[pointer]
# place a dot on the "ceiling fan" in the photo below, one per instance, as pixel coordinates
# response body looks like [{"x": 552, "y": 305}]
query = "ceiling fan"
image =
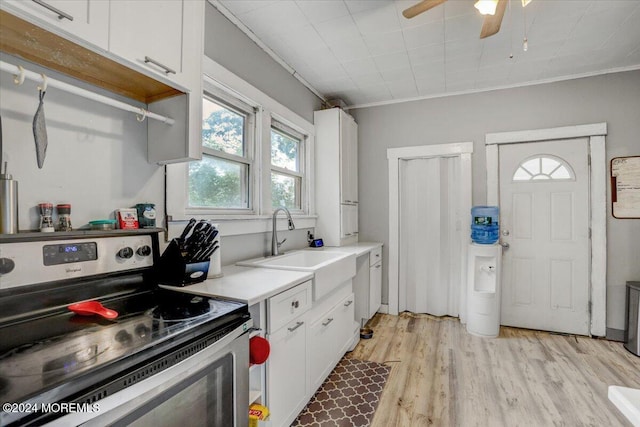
[{"x": 492, "y": 9}]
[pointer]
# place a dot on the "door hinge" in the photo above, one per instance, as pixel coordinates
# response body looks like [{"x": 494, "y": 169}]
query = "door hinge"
[
  {"x": 589, "y": 232},
  {"x": 589, "y": 305},
  {"x": 589, "y": 159}
]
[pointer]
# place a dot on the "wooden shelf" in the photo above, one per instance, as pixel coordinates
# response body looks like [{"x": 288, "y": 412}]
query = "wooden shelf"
[{"x": 32, "y": 43}]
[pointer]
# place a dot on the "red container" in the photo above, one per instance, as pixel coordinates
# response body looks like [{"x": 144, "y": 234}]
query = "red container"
[{"x": 259, "y": 350}]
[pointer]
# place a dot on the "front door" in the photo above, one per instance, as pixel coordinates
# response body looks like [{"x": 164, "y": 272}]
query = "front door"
[{"x": 544, "y": 214}]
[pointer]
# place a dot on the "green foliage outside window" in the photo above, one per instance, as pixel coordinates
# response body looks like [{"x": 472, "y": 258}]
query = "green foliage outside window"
[{"x": 215, "y": 182}]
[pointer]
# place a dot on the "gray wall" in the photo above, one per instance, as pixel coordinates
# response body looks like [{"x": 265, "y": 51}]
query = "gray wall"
[
  {"x": 612, "y": 98},
  {"x": 231, "y": 48}
]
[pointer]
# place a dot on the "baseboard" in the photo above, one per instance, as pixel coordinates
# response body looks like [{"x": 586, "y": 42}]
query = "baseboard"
[
  {"x": 384, "y": 309},
  {"x": 615, "y": 334}
]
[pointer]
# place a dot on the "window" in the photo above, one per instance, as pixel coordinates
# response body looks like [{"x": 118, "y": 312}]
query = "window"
[
  {"x": 222, "y": 179},
  {"x": 544, "y": 168},
  {"x": 286, "y": 167}
]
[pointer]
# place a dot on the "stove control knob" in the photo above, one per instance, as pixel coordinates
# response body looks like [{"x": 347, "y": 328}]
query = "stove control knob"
[
  {"x": 142, "y": 331},
  {"x": 124, "y": 337},
  {"x": 6, "y": 265},
  {"x": 144, "y": 250},
  {"x": 125, "y": 253}
]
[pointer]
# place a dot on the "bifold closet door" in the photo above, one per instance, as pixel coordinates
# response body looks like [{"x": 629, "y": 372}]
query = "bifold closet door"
[{"x": 429, "y": 267}]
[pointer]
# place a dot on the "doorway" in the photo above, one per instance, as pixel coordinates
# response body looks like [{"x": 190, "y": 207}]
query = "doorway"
[
  {"x": 542, "y": 284},
  {"x": 544, "y": 222},
  {"x": 421, "y": 178},
  {"x": 430, "y": 264}
]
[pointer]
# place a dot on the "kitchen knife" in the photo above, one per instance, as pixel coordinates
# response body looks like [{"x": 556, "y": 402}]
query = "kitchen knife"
[
  {"x": 210, "y": 252},
  {"x": 186, "y": 230},
  {"x": 206, "y": 245},
  {"x": 197, "y": 239}
]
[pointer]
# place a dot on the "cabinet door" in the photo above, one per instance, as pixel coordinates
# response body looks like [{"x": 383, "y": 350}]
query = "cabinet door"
[
  {"x": 148, "y": 33},
  {"x": 348, "y": 159},
  {"x": 286, "y": 373},
  {"x": 88, "y": 20},
  {"x": 348, "y": 220},
  {"x": 345, "y": 324},
  {"x": 353, "y": 160},
  {"x": 322, "y": 349},
  {"x": 375, "y": 293}
]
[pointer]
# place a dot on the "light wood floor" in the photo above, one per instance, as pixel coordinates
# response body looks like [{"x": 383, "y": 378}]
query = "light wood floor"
[{"x": 442, "y": 376}]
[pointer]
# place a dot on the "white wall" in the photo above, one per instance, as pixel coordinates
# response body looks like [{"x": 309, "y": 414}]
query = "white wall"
[
  {"x": 612, "y": 98},
  {"x": 96, "y": 156}
]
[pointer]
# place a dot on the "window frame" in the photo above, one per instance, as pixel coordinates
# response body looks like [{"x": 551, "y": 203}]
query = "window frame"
[
  {"x": 300, "y": 196},
  {"x": 267, "y": 108},
  {"x": 249, "y": 182},
  {"x": 549, "y": 178}
]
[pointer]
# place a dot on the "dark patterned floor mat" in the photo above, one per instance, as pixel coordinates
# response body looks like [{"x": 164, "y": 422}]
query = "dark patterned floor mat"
[{"x": 348, "y": 397}]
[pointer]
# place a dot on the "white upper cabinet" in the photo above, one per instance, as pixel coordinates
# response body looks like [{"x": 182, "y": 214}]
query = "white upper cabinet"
[
  {"x": 337, "y": 194},
  {"x": 148, "y": 33},
  {"x": 348, "y": 159},
  {"x": 165, "y": 39},
  {"x": 87, "y": 20}
]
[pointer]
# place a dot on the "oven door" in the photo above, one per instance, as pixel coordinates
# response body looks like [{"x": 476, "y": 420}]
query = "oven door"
[{"x": 209, "y": 388}]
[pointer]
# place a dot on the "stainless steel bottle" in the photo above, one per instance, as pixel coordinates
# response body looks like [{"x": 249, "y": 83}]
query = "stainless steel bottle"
[{"x": 8, "y": 204}]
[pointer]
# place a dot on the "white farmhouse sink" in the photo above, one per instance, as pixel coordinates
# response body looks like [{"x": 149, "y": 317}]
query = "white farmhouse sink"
[{"x": 330, "y": 269}]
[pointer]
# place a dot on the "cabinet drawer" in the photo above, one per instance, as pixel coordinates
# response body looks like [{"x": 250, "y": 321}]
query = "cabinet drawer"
[
  {"x": 375, "y": 255},
  {"x": 288, "y": 305}
]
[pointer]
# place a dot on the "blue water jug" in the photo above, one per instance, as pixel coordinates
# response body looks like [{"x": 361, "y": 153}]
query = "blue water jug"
[{"x": 484, "y": 224}]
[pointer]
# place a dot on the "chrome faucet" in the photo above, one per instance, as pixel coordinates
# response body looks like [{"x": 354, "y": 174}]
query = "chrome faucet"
[{"x": 275, "y": 245}]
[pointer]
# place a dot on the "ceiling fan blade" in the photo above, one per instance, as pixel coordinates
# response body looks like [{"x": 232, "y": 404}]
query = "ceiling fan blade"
[
  {"x": 491, "y": 24},
  {"x": 423, "y": 6}
]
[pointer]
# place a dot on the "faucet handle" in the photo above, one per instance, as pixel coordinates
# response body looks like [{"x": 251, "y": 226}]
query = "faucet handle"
[{"x": 283, "y": 240}]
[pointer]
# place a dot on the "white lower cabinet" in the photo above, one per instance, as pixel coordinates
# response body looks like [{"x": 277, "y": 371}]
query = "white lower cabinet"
[
  {"x": 375, "y": 288},
  {"x": 287, "y": 362},
  {"x": 287, "y": 373},
  {"x": 331, "y": 333},
  {"x": 307, "y": 341}
]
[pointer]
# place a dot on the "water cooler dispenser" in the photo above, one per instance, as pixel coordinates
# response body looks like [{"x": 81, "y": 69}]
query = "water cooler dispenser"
[{"x": 484, "y": 270}]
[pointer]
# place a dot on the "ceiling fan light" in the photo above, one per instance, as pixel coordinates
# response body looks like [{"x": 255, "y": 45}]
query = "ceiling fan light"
[{"x": 486, "y": 7}]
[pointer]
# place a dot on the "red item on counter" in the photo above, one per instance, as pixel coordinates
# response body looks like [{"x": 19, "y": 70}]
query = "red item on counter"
[{"x": 128, "y": 219}]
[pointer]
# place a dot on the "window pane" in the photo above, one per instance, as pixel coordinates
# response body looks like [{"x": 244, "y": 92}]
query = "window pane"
[
  {"x": 285, "y": 191},
  {"x": 548, "y": 165},
  {"x": 222, "y": 129},
  {"x": 218, "y": 183},
  {"x": 521, "y": 175},
  {"x": 284, "y": 151}
]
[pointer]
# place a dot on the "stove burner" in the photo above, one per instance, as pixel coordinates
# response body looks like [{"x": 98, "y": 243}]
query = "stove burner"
[{"x": 184, "y": 307}]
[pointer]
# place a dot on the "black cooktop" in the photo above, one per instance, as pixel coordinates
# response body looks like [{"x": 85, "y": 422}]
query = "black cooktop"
[{"x": 45, "y": 350}]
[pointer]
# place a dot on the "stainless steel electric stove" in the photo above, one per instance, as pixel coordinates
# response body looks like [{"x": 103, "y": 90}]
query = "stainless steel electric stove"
[{"x": 165, "y": 353}]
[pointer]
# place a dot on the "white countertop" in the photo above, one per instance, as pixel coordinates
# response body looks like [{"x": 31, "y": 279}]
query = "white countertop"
[
  {"x": 247, "y": 284},
  {"x": 627, "y": 400},
  {"x": 357, "y": 249}
]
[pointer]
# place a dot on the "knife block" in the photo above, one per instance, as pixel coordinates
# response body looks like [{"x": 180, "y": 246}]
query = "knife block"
[{"x": 172, "y": 268}]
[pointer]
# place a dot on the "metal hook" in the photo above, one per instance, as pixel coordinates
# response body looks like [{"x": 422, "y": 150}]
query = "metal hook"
[
  {"x": 143, "y": 115},
  {"x": 43, "y": 88},
  {"x": 19, "y": 78}
]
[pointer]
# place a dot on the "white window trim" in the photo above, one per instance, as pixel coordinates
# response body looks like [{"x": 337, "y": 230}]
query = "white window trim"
[
  {"x": 239, "y": 106},
  {"x": 302, "y": 166},
  {"x": 267, "y": 108},
  {"x": 598, "y": 177}
]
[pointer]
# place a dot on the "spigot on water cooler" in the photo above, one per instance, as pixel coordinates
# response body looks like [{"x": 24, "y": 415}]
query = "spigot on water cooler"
[{"x": 484, "y": 271}]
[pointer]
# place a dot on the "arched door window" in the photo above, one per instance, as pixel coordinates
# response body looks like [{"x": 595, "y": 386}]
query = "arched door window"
[{"x": 544, "y": 167}]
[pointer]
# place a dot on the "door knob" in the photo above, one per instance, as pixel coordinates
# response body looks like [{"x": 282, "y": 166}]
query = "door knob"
[
  {"x": 504, "y": 245},
  {"x": 505, "y": 232}
]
